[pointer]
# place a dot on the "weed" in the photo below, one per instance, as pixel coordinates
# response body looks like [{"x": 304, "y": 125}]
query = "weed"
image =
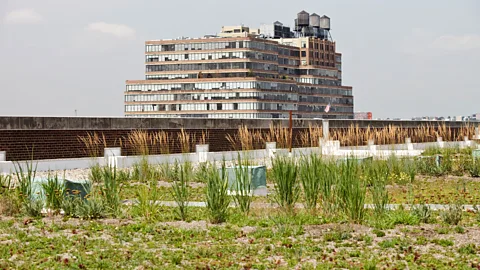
[
  {"x": 217, "y": 196},
  {"x": 459, "y": 229},
  {"x": 287, "y": 188}
]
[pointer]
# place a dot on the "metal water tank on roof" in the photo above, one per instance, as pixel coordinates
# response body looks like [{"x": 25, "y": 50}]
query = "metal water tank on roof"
[
  {"x": 315, "y": 20},
  {"x": 303, "y": 18},
  {"x": 325, "y": 22}
]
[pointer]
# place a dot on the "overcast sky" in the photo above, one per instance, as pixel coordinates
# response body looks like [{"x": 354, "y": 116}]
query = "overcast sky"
[{"x": 403, "y": 58}]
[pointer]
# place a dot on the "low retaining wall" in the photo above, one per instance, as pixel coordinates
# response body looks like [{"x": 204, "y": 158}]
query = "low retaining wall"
[
  {"x": 329, "y": 148},
  {"x": 38, "y": 138}
]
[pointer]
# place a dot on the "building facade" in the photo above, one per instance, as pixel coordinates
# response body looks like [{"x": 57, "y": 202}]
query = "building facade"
[{"x": 241, "y": 74}]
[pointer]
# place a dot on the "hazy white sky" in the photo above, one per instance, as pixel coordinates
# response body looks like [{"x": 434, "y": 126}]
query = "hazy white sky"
[{"x": 403, "y": 58}]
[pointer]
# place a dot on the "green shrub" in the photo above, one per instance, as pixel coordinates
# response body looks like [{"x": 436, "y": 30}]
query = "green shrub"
[
  {"x": 422, "y": 212},
  {"x": 34, "y": 207},
  {"x": 70, "y": 205},
  {"x": 453, "y": 215},
  {"x": 217, "y": 196},
  {"x": 287, "y": 188},
  {"x": 92, "y": 208}
]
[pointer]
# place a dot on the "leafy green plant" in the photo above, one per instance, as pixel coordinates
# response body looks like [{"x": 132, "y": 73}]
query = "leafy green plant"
[
  {"x": 34, "y": 207},
  {"x": 217, "y": 196},
  {"x": 147, "y": 205},
  {"x": 54, "y": 190},
  {"x": 453, "y": 214},
  {"x": 312, "y": 170},
  {"x": 70, "y": 205},
  {"x": 243, "y": 185},
  {"x": 402, "y": 216},
  {"x": 96, "y": 173},
  {"x": 93, "y": 208},
  {"x": 110, "y": 190},
  {"x": 468, "y": 249},
  {"x": 286, "y": 184},
  {"x": 180, "y": 189},
  {"x": 473, "y": 167},
  {"x": 422, "y": 212}
]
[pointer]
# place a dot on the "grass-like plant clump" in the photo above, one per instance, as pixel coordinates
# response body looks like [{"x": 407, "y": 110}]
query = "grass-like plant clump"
[{"x": 217, "y": 197}]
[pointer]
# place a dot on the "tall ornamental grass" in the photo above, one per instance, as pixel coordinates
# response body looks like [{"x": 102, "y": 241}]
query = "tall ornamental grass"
[
  {"x": 312, "y": 173},
  {"x": 217, "y": 197},
  {"x": 243, "y": 185},
  {"x": 286, "y": 184}
]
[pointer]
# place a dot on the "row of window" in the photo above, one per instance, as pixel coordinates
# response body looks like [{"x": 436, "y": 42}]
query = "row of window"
[
  {"x": 212, "y": 96},
  {"x": 211, "y": 66},
  {"x": 233, "y": 96},
  {"x": 242, "y": 115},
  {"x": 215, "y": 56},
  {"x": 216, "y": 115},
  {"x": 319, "y": 72},
  {"x": 241, "y": 85},
  {"x": 210, "y": 107},
  {"x": 333, "y": 109},
  {"x": 215, "y": 45},
  {"x": 318, "y": 81}
]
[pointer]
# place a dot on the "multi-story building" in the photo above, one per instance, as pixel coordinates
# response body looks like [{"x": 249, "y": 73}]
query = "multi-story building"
[{"x": 243, "y": 74}]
